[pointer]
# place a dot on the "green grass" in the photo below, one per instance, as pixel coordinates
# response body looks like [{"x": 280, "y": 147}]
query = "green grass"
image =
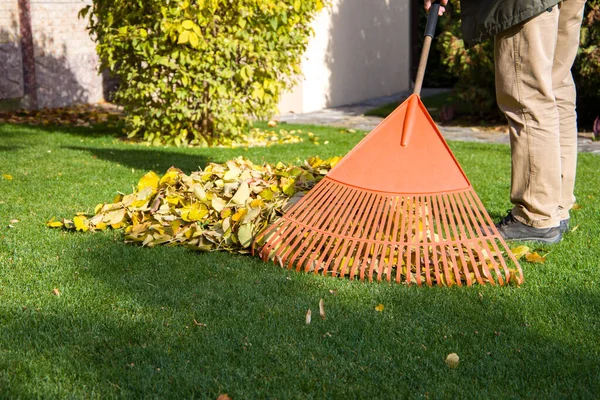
[{"x": 124, "y": 324}]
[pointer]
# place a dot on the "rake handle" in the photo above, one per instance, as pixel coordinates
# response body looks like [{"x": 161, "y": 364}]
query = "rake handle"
[
  {"x": 432, "y": 19},
  {"x": 412, "y": 106}
]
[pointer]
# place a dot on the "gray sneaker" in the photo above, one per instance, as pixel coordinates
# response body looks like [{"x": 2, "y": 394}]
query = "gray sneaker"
[
  {"x": 564, "y": 226},
  {"x": 511, "y": 229}
]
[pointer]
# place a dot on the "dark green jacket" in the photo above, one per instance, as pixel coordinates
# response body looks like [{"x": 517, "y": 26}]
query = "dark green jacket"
[{"x": 482, "y": 19}]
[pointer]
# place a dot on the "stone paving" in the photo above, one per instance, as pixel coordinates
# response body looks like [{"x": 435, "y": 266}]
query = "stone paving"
[{"x": 352, "y": 117}]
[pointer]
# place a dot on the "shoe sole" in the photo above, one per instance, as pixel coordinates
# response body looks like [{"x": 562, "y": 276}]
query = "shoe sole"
[{"x": 551, "y": 240}]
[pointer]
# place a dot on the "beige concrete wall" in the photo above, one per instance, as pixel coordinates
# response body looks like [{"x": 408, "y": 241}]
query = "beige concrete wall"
[
  {"x": 360, "y": 51},
  {"x": 66, "y": 62},
  {"x": 11, "y": 67}
]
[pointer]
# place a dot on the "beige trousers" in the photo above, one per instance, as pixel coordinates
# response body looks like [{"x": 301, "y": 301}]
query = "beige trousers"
[{"x": 536, "y": 92}]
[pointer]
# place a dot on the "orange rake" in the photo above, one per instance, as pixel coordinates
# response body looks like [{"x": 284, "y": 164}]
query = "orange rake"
[{"x": 397, "y": 207}]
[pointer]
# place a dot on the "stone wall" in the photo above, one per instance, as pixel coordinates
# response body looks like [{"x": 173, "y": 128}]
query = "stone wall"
[
  {"x": 11, "y": 67},
  {"x": 66, "y": 64}
]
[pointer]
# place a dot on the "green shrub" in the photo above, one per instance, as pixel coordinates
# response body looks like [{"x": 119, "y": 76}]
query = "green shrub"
[
  {"x": 587, "y": 67},
  {"x": 473, "y": 68},
  {"x": 195, "y": 72}
]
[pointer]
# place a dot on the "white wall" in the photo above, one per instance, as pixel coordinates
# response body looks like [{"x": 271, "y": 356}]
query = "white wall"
[{"x": 360, "y": 51}]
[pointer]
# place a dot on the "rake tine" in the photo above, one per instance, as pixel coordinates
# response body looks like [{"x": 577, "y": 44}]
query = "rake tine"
[
  {"x": 480, "y": 249},
  {"x": 473, "y": 245},
  {"x": 459, "y": 221},
  {"x": 400, "y": 239},
  {"x": 349, "y": 198},
  {"x": 442, "y": 246},
  {"x": 496, "y": 235},
  {"x": 320, "y": 223},
  {"x": 384, "y": 245},
  {"x": 372, "y": 245},
  {"x": 433, "y": 241},
  {"x": 456, "y": 240},
  {"x": 364, "y": 226},
  {"x": 344, "y": 230},
  {"x": 425, "y": 240},
  {"x": 297, "y": 236}
]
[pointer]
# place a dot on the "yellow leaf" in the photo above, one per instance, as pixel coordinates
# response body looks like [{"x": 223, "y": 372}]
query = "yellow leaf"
[
  {"x": 54, "y": 224},
  {"x": 218, "y": 203},
  {"x": 535, "y": 258},
  {"x": 520, "y": 251},
  {"x": 187, "y": 24},
  {"x": 56, "y": 292},
  {"x": 232, "y": 174},
  {"x": 257, "y": 203},
  {"x": 245, "y": 235},
  {"x": 193, "y": 38},
  {"x": 577, "y": 206},
  {"x": 266, "y": 194},
  {"x": 80, "y": 223},
  {"x": 115, "y": 217},
  {"x": 7, "y": 177},
  {"x": 225, "y": 213},
  {"x": 242, "y": 194},
  {"x": 98, "y": 208},
  {"x": 148, "y": 180},
  {"x": 183, "y": 37},
  {"x": 199, "y": 191},
  {"x": 288, "y": 187},
  {"x": 380, "y": 307},
  {"x": 170, "y": 177},
  {"x": 239, "y": 214}
]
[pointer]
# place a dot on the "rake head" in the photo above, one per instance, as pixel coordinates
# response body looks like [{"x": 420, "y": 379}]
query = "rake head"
[
  {"x": 394, "y": 210},
  {"x": 433, "y": 239}
]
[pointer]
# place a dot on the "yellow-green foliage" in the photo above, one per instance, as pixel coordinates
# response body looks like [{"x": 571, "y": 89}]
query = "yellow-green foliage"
[{"x": 196, "y": 71}]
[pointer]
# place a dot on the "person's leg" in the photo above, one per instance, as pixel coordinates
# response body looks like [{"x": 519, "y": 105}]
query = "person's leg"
[
  {"x": 569, "y": 26},
  {"x": 524, "y": 58}
]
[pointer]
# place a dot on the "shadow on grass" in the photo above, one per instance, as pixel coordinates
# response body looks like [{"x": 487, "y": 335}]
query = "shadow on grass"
[
  {"x": 134, "y": 334},
  {"x": 78, "y": 131},
  {"x": 10, "y": 148},
  {"x": 148, "y": 158}
]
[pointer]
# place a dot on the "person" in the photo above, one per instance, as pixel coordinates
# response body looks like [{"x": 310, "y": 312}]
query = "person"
[{"x": 535, "y": 45}]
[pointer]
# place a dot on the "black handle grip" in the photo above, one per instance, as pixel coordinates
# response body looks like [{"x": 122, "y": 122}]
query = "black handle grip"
[{"x": 432, "y": 18}]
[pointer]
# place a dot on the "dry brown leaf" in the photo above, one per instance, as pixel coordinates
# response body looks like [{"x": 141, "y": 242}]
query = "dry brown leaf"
[
  {"x": 56, "y": 292},
  {"x": 308, "y": 317},
  {"x": 224, "y": 396},
  {"x": 535, "y": 258},
  {"x": 322, "y": 309}
]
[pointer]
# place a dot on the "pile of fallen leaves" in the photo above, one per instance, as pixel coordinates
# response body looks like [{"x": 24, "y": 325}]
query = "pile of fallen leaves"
[
  {"x": 85, "y": 115},
  {"x": 222, "y": 207}
]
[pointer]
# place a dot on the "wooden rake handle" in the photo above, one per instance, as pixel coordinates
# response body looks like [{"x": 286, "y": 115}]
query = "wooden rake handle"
[
  {"x": 411, "y": 108},
  {"x": 432, "y": 19}
]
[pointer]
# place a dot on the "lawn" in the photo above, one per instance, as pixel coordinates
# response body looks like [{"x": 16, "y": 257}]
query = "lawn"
[{"x": 167, "y": 322}]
